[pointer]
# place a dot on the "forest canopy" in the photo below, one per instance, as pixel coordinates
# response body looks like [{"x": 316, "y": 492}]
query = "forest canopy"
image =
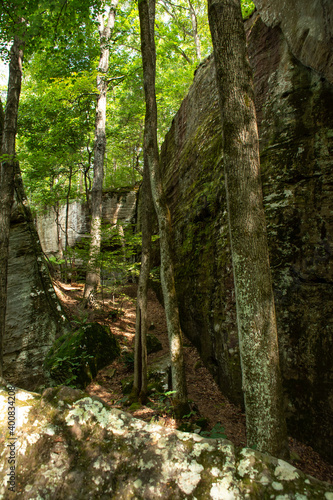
[{"x": 58, "y": 99}]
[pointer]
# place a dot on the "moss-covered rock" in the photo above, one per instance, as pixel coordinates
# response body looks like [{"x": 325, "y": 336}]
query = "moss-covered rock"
[
  {"x": 159, "y": 375},
  {"x": 70, "y": 446},
  {"x": 77, "y": 356},
  {"x": 153, "y": 344},
  {"x": 295, "y": 117}
]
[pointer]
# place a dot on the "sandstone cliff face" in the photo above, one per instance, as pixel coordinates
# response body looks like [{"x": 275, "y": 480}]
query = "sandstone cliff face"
[
  {"x": 308, "y": 28},
  {"x": 119, "y": 206},
  {"x": 295, "y": 115},
  {"x": 34, "y": 317}
]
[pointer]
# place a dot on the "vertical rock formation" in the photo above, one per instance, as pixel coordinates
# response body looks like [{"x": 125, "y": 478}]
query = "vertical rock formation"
[
  {"x": 295, "y": 114},
  {"x": 34, "y": 317},
  {"x": 119, "y": 206},
  {"x": 308, "y": 29}
]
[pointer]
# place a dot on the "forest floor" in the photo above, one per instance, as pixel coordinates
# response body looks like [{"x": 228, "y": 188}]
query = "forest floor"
[{"x": 117, "y": 310}]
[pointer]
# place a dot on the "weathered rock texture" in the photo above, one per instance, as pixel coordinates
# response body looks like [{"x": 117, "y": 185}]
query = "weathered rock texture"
[
  {"x": 69, "y": 446},
  {"x": 308, "y": 28},
  {"x": 119, "y": 206},
  {"x": 34, "y": 317},
  {"x": 295, "y": 114}
]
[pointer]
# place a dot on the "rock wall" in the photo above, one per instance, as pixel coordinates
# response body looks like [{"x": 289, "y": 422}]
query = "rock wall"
[
  {"x": 69, "y": 446},
  {"x": 119, "y": 206},
  {"x": 308, "y": 28},
  {"x": 34, "y": 317},
  {"x": 295, "y": 116}
]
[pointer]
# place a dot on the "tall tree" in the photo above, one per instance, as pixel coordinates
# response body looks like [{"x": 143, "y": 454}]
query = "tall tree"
[
  {"x": 147, "y": 18},
  {"x": 140, "y": 351},
  {"x": 24, "y": 25},
  {"x": 7, "y": 173},
  {"x": 195, "y": 30},
  {"x": 105, "y": 30},
  {"x": 266, "y": 426}
]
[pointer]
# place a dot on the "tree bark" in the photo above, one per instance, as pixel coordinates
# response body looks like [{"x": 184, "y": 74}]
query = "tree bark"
[
  {"x": 265, "y": 420},
  {"x": 140, "y": 351},
  {"x": 195, "y": 30},
  {"x": 105, "y": 31},
  {"x": 147, "y": 17},
  {"x": 7, "y": 174}
]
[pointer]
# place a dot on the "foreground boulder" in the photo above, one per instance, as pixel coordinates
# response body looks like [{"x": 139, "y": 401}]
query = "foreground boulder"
[{"x": 69, "y": 446}]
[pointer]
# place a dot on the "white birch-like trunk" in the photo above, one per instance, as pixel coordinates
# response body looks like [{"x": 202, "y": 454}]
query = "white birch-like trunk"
[
  {"x": 105, "y": 31},
  {"x": 195, "y": 31}
]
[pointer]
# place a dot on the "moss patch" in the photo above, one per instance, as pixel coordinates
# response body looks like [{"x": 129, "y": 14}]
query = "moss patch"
[{"x": 77, "y": 356}]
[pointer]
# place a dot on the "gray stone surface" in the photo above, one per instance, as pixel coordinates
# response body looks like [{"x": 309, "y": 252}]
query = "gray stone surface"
[
  {"x": 119, "y": 206},
  {"x": 70, "y": 446},
  {"x": 308, "y": 28},
  {"x": 34, "y": 317},
  {"x": 295, "y": 117}
]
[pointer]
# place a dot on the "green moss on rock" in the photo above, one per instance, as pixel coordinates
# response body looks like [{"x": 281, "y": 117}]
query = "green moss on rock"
[
  {"x": 153, "y": 344},
  {"x": 77, "y": 356}
]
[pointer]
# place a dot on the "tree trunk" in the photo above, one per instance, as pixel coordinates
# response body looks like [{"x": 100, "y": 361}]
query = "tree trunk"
[
  {"x": 266, "y": 427},
  {"x": 93, "y": 273},
  {"x": 140, "y": 352},
  {"x": 147, "y": 17},
  {"x": 195, "y": 30},
  {"x": 7, "y": 174}
]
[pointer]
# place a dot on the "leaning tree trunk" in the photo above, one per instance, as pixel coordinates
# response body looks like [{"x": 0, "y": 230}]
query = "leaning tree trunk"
[
  {"x": 93, "y": 273},
  {"x": 146, "y": 13},
  {"x": 7, "y": 174},
  {"x": 266, "y": 427}
]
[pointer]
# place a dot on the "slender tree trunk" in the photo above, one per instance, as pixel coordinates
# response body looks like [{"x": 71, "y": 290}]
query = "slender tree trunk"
[
  {"x": 7, "y": 174},
  {"x": 66, "y": 222},
  {"x": 140, "y": 352},
  {"x": 147, "y": 16},
  {"x": 195, "y": 30},
  {"x": 266, "y": 427},
  {"x": 93, "y": 273},
  {"x": 67, "y": 206},
  {"x": 2, "y": 122}
]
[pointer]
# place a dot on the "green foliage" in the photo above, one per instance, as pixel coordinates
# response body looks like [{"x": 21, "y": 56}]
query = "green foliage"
[
  {"x": 55, "y": 123},
  {"x": 76, "y": 357},
  {"x": 42, "y": 23},
  {"x": 57, "y": 120},
  {"x": 116, "y": 260},
  {"x": 164, "y": 402},
  {"x": 128, "y": 359},
  {"x": 247, "y": 8},
  {"x": 216, "y": 432},
  {"x": 192, "y": 413}
]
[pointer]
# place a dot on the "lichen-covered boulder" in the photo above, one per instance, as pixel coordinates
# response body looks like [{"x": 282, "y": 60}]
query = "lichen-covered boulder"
[
  {"x": 77, "y": 356},
  {"x": 69, "y": 446}
]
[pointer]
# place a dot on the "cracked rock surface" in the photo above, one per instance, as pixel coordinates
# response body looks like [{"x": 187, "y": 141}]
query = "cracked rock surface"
[{"x": 70, "y": 446}]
